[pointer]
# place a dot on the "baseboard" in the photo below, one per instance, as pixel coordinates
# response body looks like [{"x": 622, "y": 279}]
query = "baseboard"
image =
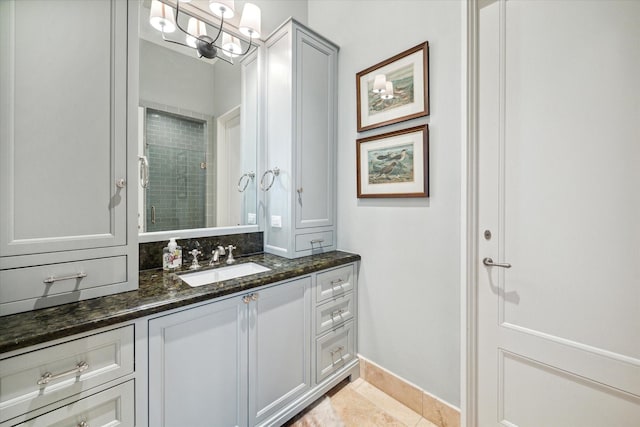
[{"x": 430, "y": 407}]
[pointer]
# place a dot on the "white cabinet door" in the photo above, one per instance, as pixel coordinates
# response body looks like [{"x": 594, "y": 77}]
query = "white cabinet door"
[
  {"x": 315, "y": 101},
  {"x": 198, "y": 366},
  {"x": 63, "y": 125},
  {"x": 231, "y": 362},
  {"x": 279, "y": 347}
]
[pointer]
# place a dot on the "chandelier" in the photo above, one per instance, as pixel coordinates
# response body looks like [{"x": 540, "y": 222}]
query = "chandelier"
[{"x": 164, "y": 18}]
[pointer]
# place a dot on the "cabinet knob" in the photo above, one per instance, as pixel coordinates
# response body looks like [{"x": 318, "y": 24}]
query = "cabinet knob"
[
  {"x": 82, "y": 424},
  {"x": 121, "y": 183}
]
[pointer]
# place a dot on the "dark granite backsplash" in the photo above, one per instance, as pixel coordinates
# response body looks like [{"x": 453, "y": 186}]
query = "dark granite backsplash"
[{"x": 245, "y": 243}]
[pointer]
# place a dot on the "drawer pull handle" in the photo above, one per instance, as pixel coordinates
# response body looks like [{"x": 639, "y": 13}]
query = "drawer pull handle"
[
  {"x": 339, "y": 350},
  {"x": 337, "y": 313},
  {"x": 314, "y": 241},
  {"x": 337, "y": 282},
  {"x": 82, "y": 424},
  {"x": 52, "y": 279},
  {"x": 251, "y": 297},
  {"x": 47, "y": 377}
]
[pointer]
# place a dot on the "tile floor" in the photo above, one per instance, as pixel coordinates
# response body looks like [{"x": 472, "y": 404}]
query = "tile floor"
[{"x": 358, "y": 404}]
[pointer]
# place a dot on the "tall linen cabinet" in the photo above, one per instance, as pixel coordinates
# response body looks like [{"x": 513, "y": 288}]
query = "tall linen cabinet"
[
  {"x": 68, "y": 89},
  {"x": 299, "y": 181}
]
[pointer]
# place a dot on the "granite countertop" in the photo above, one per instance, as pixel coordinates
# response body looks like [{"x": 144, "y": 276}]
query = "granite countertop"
[{"x": 158, "y": 291}]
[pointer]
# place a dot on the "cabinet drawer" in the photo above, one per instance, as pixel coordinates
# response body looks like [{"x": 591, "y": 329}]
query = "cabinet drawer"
[
  {"x": 114, "y": 406},
  {"x": 334, "y": 350},
  {"x": 107, "y": 355},
  {"x": 334, "y": 312},
  {"x": 310, "y": 241},
  {"x": 334, "y": 282},
  {"x": 53, "y": 284}
]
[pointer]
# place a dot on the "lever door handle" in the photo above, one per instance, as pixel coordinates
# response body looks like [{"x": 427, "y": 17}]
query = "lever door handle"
[{"x": 489, "y": 263}]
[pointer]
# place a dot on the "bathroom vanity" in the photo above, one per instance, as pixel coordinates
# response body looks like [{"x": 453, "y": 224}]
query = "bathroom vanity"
[
  {"x": 85, "y": 338},
  {"x": 250, "y": 351}
]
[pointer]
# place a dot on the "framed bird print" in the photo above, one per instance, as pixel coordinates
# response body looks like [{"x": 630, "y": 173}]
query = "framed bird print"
[
  {"x": 394, "y": 90},
  {"x": 394, "y": 164}
]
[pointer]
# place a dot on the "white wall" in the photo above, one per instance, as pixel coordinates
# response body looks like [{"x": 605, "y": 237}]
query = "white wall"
[
  {"x": 167, "y": 77},
  {"x": 410, "y": 272},
  {"x": 275, "y": 12}
]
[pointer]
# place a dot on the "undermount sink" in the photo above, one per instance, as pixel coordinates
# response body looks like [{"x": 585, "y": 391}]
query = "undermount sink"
[{"x": 206, "y": 277}]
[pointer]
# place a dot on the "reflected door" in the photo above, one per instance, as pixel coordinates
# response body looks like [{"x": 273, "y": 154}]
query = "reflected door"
[
  {"x": 229, "y": 161},
  {"x": 559, "y": 150}
]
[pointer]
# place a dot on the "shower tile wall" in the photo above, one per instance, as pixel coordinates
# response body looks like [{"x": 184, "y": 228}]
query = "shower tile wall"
[{"x": 175, "y": 149}]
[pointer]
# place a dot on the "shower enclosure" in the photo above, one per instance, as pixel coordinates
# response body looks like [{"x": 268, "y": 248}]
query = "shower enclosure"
[{"x": 176, "y": 149}]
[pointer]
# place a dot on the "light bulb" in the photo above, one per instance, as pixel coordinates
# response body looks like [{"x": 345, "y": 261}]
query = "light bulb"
[
  {"x": 250, "y": 23},
  {"x": 231, "y": 45},
  {"x": 197, "y": 28},
  {"x": 161, "y": 17},
  {"x": 388, "y": 92},
  {"x": 380, "y": 83},
  {"x": 223, "y": 8}
]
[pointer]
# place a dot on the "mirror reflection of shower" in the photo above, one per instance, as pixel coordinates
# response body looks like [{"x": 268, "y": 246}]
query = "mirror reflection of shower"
[
  {"x": 190, "y": 169},
  {"x": 176, "y": 150}
]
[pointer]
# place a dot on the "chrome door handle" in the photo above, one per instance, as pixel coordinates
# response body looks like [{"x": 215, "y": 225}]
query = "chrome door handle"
[{"x": 489, "y": 263}]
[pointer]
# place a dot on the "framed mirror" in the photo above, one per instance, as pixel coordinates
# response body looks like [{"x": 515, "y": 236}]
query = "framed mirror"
[{"x": 198, "y": 131}]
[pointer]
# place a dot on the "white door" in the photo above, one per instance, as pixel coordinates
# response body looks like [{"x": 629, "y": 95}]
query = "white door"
[
  {"x": 229, "y": 155},
  {"x": 559, "y": 176}
]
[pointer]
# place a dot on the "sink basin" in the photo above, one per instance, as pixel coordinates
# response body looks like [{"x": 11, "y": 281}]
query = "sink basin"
[{"x": 207, "y": 277}]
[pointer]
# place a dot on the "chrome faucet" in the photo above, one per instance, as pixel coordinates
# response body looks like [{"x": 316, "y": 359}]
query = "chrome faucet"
[
  {"x": 230, "y": 258},
  {"x": 215, "y": 258},
  {"x": 195, "y": 264}
]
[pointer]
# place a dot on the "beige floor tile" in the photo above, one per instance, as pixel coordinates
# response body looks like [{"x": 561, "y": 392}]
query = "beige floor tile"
[
  {"x": 357, "y": 383},
  {"x": 425, "y": 423},
  {"x": 357, "y": 411},
  {"x": 388, "y": 404}
]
